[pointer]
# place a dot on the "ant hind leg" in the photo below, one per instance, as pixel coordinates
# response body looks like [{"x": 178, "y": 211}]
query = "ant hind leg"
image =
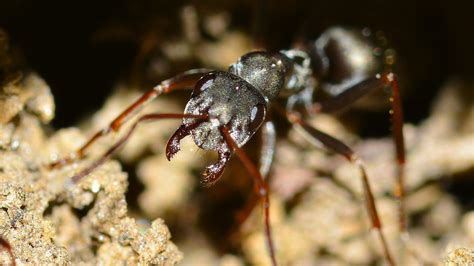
[
  {"x": 340, "y": 148},
  {"x": 351, "y": 95}
]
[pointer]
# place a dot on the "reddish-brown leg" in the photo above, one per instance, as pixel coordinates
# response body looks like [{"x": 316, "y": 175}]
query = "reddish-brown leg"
[
  {"x": 350, "y": 95},
  {"x": 261, "y": 188},
  {"x": 123, "y": 140},
  {"x": 8, "y": 247},
  {"x": 339, "y": 147},
  {"x": 183, "y": 81},
  {"x": 397, "y": 120}
]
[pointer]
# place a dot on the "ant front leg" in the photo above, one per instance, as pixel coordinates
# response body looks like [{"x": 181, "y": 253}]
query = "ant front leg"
[
  {"x": 261, "y": 188},
  {"x": 123, "y": 140},
  {"x": 352, "y": 94},
  {"x": 185, "y": 80},
  {"x": 265, "y": 162},
  {"x": 340, "y": 148},
  {"x": 266, "y": 159}
]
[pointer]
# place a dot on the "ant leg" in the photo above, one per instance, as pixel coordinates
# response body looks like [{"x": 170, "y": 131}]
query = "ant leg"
[
  {"x": 266, "y": 160},
  {"x": 261, "y": 187},
  {"x": 348, "y": 96},
  {"x": 182, "y": 81},
  {"x": 352, "y": 94},
  {"x": 8, "y": 247},
  {"x": 123, "y": 140},
  {"x": 397, "y": 121},
  {"x": 339, "y": 147}
]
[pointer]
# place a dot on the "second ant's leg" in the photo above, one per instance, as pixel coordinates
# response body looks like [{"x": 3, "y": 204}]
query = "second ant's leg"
[
  {"x": 4, "y": 244},
  {"x": 261, "y": 188},
  {"x": 350, "y": 95},
  {"x": 182, "y": 81},
  {"x": 123, "y": 140},
  {"x": 339, "y": 147}
]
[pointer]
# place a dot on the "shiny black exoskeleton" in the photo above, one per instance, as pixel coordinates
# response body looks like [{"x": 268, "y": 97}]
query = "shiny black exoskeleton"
[
  {"x": 341, "y": 62},
  {"x": 239, "y": 98}
]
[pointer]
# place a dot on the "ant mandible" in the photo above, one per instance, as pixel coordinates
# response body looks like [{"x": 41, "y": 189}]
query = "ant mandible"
[{"x": 226, "y": 108}]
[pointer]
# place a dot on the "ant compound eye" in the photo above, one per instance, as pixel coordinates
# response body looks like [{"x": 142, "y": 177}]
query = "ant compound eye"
[
  {"x": 257, "y": 115},
  {"x": 203, "y": 84}
]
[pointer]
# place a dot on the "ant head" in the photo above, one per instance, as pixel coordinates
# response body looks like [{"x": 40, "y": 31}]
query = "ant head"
[
  {"x": 228, "y": 101},
  {"x": 265, "y": 71}
]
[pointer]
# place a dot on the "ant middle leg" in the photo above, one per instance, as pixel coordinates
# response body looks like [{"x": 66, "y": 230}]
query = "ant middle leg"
[
  {"x": 340, "y": 148},
  {"x": 185, "y": 80}
]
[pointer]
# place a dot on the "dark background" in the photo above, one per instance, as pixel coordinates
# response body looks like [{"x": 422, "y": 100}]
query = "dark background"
[{"x": 434, "y": 40}]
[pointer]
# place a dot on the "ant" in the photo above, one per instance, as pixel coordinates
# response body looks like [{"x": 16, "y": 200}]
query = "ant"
[{"x": 227, "y": 108}]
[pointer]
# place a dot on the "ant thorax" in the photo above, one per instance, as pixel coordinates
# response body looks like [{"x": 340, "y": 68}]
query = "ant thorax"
[
  {"x": 298, "y": 76},
  {"x": 265, "y": 71},
  {"x": 275, "y": 74}
]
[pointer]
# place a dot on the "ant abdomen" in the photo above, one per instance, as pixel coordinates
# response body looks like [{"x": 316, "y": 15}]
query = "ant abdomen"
[
  {"x": 227, "y": 100},
  {"x": 342, "y": 58}
]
